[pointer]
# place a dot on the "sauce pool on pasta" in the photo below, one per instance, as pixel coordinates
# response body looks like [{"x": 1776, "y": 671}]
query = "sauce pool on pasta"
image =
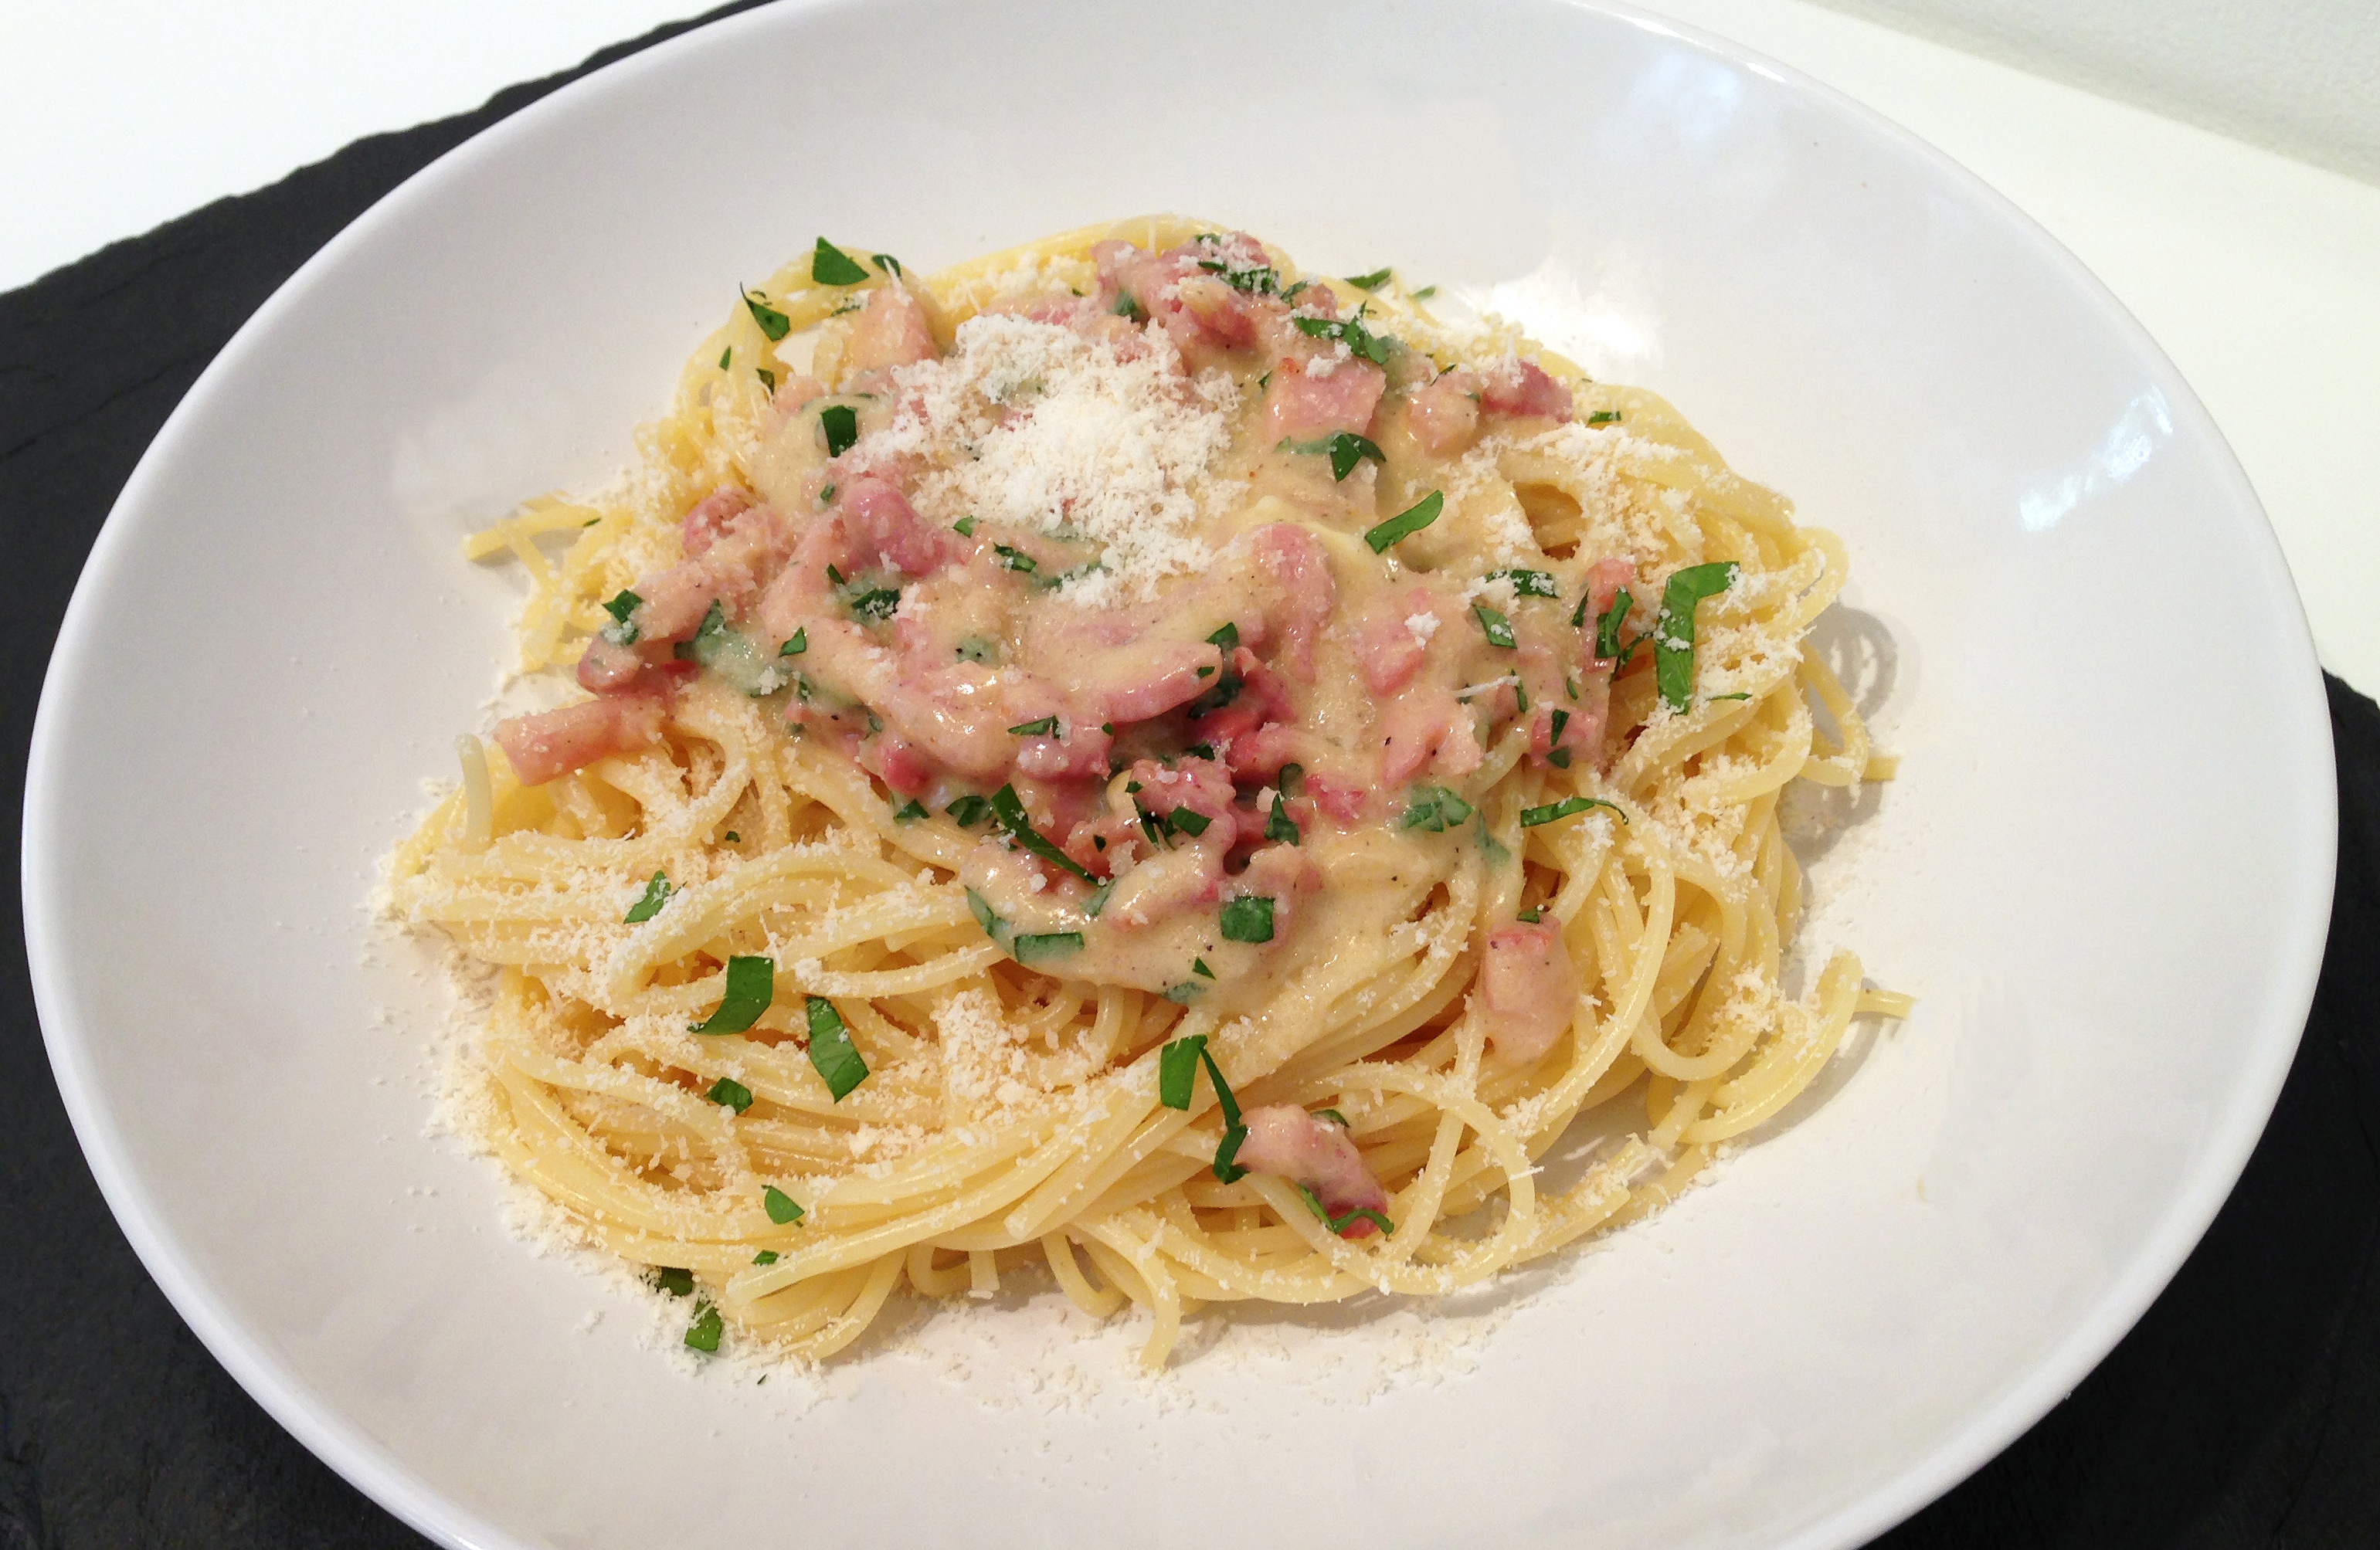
[{"x": 1125, "y": 756}]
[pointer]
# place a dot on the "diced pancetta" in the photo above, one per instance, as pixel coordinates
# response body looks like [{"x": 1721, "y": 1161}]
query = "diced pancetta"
[
  {"x": 891, "y": 330},
  {"x": 553, "y": 742},
  {"x": 1307, "y": 1149},
  {"x": 1528, "y": 988}
]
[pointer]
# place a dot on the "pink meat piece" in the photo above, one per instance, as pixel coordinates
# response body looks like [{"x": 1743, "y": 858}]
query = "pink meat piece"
[
  {"x": 1169, "y": 678},
  {"x": 748, "y": 547},
  {"x": 1528, "y": 988},
  {"x": 555, "y": 742},
  {"x": 1260, "y": 700},
  {"x": 708, "y": 518},
  {"x": 1205, "y": 317},
  {"x": 1520, "y": 387},
  {"x": 896, "y": 761},
  {"x": 1221, "y": 313},
  {"x": 882, "y": 527},
  {"x": 1300, "y": 572},
  {"x": 1386, "y": 650},
  {"x": 1201, "y": 785},
  {"x": 1307, "y": 1149},
  {"x": 890, "y": 331},
  {"x": 1422, "y": 728},
  {"x": 1301, "y": 406},
  {"x": 606, "y": 668},
  {"x": 795, "y": 394},
  {"x": 1338, "y": 797},
  {"x": 1444, "y": 414}
]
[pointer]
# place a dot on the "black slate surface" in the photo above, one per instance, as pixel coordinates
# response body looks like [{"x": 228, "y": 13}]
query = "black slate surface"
[{"x": 2244, "y": 1410}]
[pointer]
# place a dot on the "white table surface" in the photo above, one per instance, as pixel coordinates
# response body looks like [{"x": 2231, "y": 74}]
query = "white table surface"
[{"x": 2259, "y": 275}]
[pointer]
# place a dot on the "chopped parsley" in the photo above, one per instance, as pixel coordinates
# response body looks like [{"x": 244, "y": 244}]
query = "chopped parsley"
[
  {"x": 1225, "y": 690},
  {"x": 1279, "y": 825},
  {"x": 1740, "y": 694},
  {"x": 1371, "y": 281},
  {"x": 751, "y": 986},
  {"x": 1227, "y": 638},
  {"x": 1031, "y": 948},
  {"x": 796, "y": 643},
  {"x": 730, "y": 837},
  {"x": 877, "y": 602},
  {"x": 975, "y": 648},
  {"x": 1046, "y": 727},
  {"x": 730, "y": 1093},
  {"x": 1673, "y": 634},
  {"x": 887, "y": 263},
  {"x": 909, "y": 811},
  {"x": 1528, "y": 584},
  {"x": 676, "y": 1282},
  {"x": 1184, "y": 821},
  {"x": 1177, "y": 1080},
  {"x": 1532, "y": 916},
  {"x": 1346, "y": 450},
  {"x": 970, "y": 810},
  {"x": 1561, "y": 719},
  {"x": 726, "y": 356},
  {"x": 621, "y": 631},
  {"x": 766, "y": 1257},
  {"x": 1334, "y": 1117},
  {"x": 1248, "y": 918},
  {"x": 773, "y": 323},
  {"x": 1406, "y": 523},
  {"x": 1359, "y": 340},
  {"x": 1490, "y": 846},
  {"x": 768, "y": 378},
  {"x": 1340, "y": 1224},
  {"x": 1435, "y": 809},
  {"x": 1604, "y": 416},
  {"x": 827, "y": 494},
  {"x": 1182, "y": 994},
  {"x": 964, "y": 527},
  {"x": 841, "y": 423},
  {"x": 980, "y": 907},
  {"x": 1607, "y": 623},
  {"x": 1014, "y": 559},
  {"x": 830, "y": 265},
  {"x": 1494, "y": 625},
  {"x": 1425, "y": 292},
  {"x": 832, "y": 1055},
  {"x": 1263, "y": 280},
  {"x": 1009, "y": 809},
  {"x": 1291, "y": 779},
  {"x": 1198, "y": 967},
  {"x": 657, "y": 893},
  {"x": 782, "y": 1207},
  {"x": 1567, "y": 807},
  {"x": 1125, "y": 307},
  {"x": 704, "y": 1335}
]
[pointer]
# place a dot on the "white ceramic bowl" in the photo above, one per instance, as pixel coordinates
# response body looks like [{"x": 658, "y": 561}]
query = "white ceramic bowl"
[{"x": 2105, "y": 869}]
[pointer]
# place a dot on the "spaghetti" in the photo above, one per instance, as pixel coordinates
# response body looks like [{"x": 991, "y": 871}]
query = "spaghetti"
[{"x": 1120, "y": 757}]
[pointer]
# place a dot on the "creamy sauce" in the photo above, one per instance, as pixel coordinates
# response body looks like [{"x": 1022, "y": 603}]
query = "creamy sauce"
[{"x": 1103, "y": 554}]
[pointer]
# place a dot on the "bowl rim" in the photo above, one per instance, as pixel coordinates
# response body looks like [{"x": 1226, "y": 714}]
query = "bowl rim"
[{"x": 382, "y": 1476}]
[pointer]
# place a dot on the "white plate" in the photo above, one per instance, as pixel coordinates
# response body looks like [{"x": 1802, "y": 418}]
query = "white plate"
[{"x": 2105, "y": 870}]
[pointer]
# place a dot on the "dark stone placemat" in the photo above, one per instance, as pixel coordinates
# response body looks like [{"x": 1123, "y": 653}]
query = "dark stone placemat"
[{"x": 2244, "y": 1410}]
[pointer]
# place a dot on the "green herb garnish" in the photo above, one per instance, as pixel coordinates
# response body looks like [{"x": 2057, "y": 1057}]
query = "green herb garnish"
[
  {"x": 1566, "y": 807},
  {"x": 1291, "y": 780},
  {"x": 1604, "y": 416},
  {"x": 782, "y": 1208},
  {"x": 1607, "y": 623},
  {"x": 1009, "y": 809},
  {"x": 766, "y": 1257},
  {"x": 830, "y": 265},
  {"x": 1425, "y": 292},
  {"x": 964, "y": 527},
  {"x": 1371, "y": 281},
  {"x": 1406, "y": 523},
  {"x": 730, "y": 1093},
  {"x": 1227, "y": 638},
  {"x": 1359, "y": 340},
  {"x": 1125, "y": 307},
  {"x": 1340, "y": 1224},
  {"x": 1198, "y": 967},
  {"x": 751, "y": 986},
  {"x": 773, "y": 323},
  {"x": 657, "y": 893},
  {"x": 767, "y": 379},
  {"x": 676, "y": 1282},
  {"x": 1031, "y": 948},
  {"x": 887, "y": 263},
  {"x": 726, "y": 356},
  {"x": 1528, "y": 584},
  {"x": 1532, "y": 916},
  {"x": 1673, "y": 633},
  {"x": 1740, "y": 694},
  {"x": 704, "y": 1336},
  {"x": 1187, "y": 822},
  {"x": 1346, "y": 450},
  {"x": 970, "y": 810},
  {"x": 1046, "y": 727},
  {"x": 1182, "y": 994},
  {"x": 1434, "y": 809},
  {"x": 909, "y": 811},
  {"x": 1248, "y": 918},
  {"x": 796, "y": 643},
  {"x": 1014, "y": 559},
  {"x": 877, "y": 602},
  {"x": 832, "y": 1055},
  {"x": 1494, "y": 625},
  {"x": 1279, "y": 825},
  {"x": 841, "y": 423},
  {"x": 621, "y": 631},
  {"x": 1177, "y": 1080}
]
